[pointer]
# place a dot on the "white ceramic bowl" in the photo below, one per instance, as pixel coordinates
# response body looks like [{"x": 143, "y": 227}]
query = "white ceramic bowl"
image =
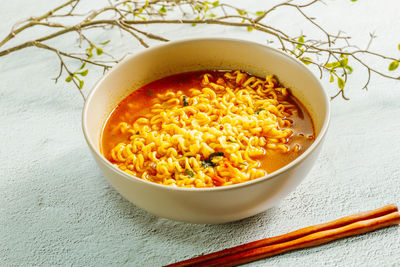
[{"x": 208, "y": 205}]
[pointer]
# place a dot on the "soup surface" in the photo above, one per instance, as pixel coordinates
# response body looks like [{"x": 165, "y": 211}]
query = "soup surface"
[{"x": 206, "y": 129}]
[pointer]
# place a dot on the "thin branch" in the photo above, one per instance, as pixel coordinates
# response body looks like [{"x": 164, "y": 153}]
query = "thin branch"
[
  {"x": 69, "y": 73},
  {"x": 128, "y": 15},
  {"x": 128, "y": 28},
  {"x": 32, "y": 21}
]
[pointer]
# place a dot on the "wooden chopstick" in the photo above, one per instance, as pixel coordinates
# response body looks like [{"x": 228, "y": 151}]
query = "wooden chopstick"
[
  {"x": 305, "y": 237},
  {"x": 311, "y": 240}
]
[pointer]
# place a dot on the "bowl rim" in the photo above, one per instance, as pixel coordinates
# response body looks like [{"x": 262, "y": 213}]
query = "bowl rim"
[{"x": 272, "y": 175}]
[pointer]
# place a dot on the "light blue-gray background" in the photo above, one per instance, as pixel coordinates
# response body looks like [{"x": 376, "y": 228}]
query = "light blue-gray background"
[{"x": 56, "y": 208}]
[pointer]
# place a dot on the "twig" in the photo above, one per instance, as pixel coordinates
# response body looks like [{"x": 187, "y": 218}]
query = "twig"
[{"x": 130, "y": 15}]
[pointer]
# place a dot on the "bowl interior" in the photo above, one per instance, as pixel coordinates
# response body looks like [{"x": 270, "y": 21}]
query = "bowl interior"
[{"x": 201, "y": 54}]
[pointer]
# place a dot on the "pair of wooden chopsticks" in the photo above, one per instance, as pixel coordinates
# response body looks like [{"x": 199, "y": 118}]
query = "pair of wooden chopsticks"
[{"x": 306, "y": 237}]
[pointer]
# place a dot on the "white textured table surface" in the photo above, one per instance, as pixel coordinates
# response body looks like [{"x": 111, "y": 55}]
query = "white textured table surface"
[{"x": 56, "y": 208}]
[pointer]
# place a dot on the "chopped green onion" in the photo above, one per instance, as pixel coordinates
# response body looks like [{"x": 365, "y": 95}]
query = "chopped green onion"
[
  {"x": 189, "y": 172},
  {"x": 258, "y": 111},
  {"x": 185, "y": 102},
  {"x": 207, "y": 164}
]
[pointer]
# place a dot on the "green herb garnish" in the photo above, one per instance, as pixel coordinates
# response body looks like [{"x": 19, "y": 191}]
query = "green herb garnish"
[
  {"x": 189, "y": 172},
  {"x": 258, "y": 111},
  {"x": 207, "y": 164},
  {"x": 216, "y": 154},
  {"x": 185, "y": 101}
]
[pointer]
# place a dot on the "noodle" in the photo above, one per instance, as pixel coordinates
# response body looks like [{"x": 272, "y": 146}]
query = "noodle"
[{"x": 213, "y": 135}]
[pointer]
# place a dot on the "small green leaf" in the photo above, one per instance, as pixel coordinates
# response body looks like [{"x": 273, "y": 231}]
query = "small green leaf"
[
  {"x": 84, "y": 73},
  {"x": 393, "y": 65},
  {"x": 194, "y": 24},
  {"x": 99, "y": 51},
  {"x": 141, "y": 17},
  {"x": 68, "y": 79},
  {"x": 332, "y": 65},
  {"x": 241, "y": 12},
  {"x": 83, "y": 65},
  {"x": 198, "y": 7},
  {"x": 332, "y": 79},
  {"x": 349, "y": 69},
  {"x": 215, "y": 4},
  {"x": 249, "y": 28},
  {"x": 162, "y": 10},
  {"x": 259, "y": 13},
  {"x": 211, "y": 15},
  {"x": 398, "y": 46},
  {"x": 306, "y": 60},
  {"x": 81, "y": 82},
  {"x": 344, "y": 62},
  {"x": 300, "y": 40},
  {"x": 106, "y": 42},
  {"x": 205, "y": 7},
  {"x": 341, "y": 83},
  {"x": 89, "y": 52},
  {"x": 353, "y": 0}
]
